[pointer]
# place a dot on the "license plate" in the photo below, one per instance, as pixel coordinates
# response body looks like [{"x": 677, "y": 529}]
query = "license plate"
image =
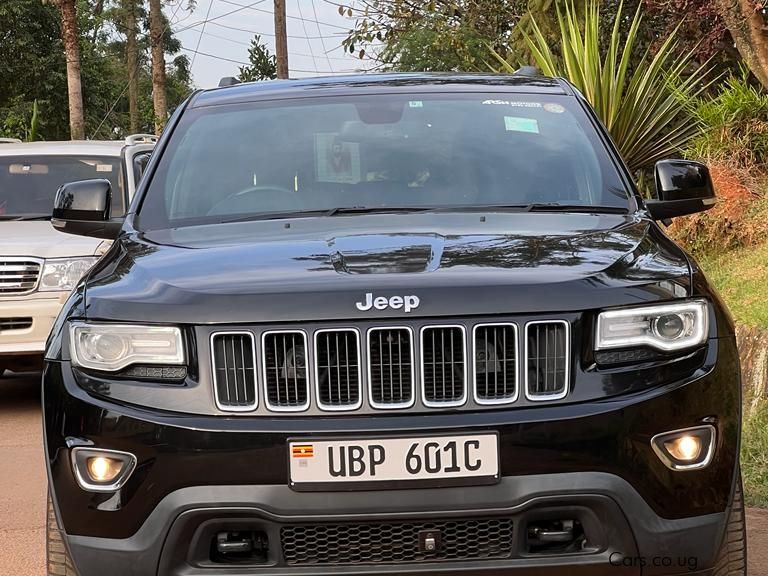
[{"x": 347, "y": 464}]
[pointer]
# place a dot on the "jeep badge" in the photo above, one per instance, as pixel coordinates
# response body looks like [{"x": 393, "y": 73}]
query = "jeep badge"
[{"x": 407, "y": 303}]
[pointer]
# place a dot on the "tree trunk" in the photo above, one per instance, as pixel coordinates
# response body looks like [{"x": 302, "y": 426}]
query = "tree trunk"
[
  {"x": 72, "y": 50},
  {"x": 156, "y": 29},
  {"x": 753, "y": 350},
  {"x": 749, "y": 32},
  {"x": 132, "y": 62}
]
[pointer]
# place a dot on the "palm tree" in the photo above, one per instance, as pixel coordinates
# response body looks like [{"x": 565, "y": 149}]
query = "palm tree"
[
  {"x": 70, "y": 36},
  {"x": 132, "y": 62},
  {"x": 156, "y": 33}
]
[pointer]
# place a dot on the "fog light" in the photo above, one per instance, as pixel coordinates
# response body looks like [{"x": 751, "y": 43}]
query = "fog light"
[
  {"x": 101, "y": 470},
  {"x": 688, "y": 449}
]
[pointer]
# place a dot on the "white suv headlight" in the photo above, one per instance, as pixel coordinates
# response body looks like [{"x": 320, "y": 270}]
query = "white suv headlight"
[
  {"x": 111, "y": 347},
  {"x": 666, "y": 327},
  {"x": 63, "y": 274}
]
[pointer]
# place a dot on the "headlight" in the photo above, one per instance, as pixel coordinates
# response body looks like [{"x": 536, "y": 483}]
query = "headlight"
[
  {"x": 62, "y": 274},
  {"x": 111, "y": 347},
  {"x": 666, "y": 327}
]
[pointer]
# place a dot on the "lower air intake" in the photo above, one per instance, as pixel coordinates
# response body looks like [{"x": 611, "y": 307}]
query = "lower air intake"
[{"x": 396, "y": 542}]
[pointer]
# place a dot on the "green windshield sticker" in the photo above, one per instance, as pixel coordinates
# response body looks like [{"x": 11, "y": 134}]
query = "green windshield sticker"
[
  {"x": 416, "y": 104},
  {"x": 516, "y": 124}
]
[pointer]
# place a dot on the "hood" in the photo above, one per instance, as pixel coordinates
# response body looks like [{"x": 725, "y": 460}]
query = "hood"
[
  {"x": 40, "y": 240},
  {"x": 326, "y": 268}
]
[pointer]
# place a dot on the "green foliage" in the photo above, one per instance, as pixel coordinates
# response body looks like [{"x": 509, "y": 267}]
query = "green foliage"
[
  {"x": 638, "y": 99},
  {"x": 735, "y": 124},
  {"x": 33, "y": 69},
  {"x": 435, "y": 35},
  {"x": 263, "y": 65}
]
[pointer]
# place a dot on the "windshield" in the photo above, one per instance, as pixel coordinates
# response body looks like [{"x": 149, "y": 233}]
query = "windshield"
[
  {"x": 29, "y": 183},
  {"x": 298, "y": 156}
]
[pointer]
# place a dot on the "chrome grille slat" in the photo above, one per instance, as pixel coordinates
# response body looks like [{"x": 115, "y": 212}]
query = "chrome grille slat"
[
  {"x": 234, "y": 374},
  {"x": 390, "y": 368},
  {"x": 547, "y": 359},
  {"x": 338, "y": 378},
  {"x": 495, "y": 352},
  {"x": 439, "y": 355},
  {"x": 19, "y": 275},
  {"x": 284, "y": 363}
]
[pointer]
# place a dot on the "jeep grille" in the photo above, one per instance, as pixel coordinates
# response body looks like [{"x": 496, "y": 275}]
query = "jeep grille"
[
  {"x": 390, "y": 367},
  {"x": 337, "y": 369},
  {"x": 370, "y": 368},
  {"x": 285, "y": 370},
  {"x": 547, "y": 346},
  {"x": 443, "y": 364},
  {"x": 18, "y": 275},
  {"x": 495, "y": 348},
  {"x": 234, "y": 370}
]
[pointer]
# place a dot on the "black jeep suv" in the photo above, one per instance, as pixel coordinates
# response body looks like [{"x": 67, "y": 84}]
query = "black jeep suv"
[{"x": 396, "y": 324}]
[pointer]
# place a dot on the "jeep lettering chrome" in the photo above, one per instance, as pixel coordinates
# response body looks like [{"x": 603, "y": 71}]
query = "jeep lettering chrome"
[{"x": 408, "y": 303}]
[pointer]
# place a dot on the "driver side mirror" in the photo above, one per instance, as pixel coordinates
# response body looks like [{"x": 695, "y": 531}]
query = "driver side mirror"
[
  {"x": 683, "y": 187},
  {"x": 82, "y": 208}
]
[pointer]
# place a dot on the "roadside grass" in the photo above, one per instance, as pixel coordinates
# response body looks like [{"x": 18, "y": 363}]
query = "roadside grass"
[
  {"x": 741, "y": 278},
  {"x": 754, "y": 457}
]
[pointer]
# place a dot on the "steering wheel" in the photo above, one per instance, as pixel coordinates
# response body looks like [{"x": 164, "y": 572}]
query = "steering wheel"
[{"x": 267, "y": 198}]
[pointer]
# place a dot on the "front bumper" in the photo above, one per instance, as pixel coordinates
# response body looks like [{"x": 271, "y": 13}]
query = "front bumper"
[
  {"x": 198, "y": 473},
  {"x": 29, "y": 341}
]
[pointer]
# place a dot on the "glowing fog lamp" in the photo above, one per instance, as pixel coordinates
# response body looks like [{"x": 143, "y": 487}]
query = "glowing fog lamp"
[
  {"x": 102, "y": 470},
  {"x": 688, "y": 449}
]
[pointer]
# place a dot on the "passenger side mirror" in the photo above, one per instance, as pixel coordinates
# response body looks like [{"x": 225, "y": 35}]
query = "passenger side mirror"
[
  {"x": 82, "y": 208},
  {"x": 683, "y": 187}
]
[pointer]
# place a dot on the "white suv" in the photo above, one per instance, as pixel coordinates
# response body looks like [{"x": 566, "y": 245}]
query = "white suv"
[{"x": 39, "y": 266}]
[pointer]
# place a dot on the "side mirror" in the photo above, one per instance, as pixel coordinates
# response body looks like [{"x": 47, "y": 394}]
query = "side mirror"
[
  {"x": 683, "y": 187},
  {"x": 82, "y": 208}
]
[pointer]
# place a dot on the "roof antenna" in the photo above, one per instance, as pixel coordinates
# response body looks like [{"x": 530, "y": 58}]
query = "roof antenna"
[{"x": 228, "y": 81}]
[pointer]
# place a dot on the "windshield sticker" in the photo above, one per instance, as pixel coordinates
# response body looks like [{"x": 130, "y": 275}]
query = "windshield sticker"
[
  {"x": 103, "y": 167},
  {"x": 416, "y": 104},
  {"x": 554, "y": 108},
  {"x": 513, "y": 104},
  {"x": 336, "y": 161},
  {"x": 515, "y": 124}
]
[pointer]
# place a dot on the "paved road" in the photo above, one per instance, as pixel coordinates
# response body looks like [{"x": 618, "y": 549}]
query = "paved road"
[{"x": 23, "y": 486}]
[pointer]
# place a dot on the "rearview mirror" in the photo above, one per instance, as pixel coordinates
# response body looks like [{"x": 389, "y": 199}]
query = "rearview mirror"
[
  {"x": 683, "y": 187},
  {"x": 82, "y": 208}
]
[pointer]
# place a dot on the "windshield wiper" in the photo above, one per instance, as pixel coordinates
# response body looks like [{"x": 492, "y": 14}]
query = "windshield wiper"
[
  {"x": 376, "y": 210},
  {"x": 583, "y": 208}
]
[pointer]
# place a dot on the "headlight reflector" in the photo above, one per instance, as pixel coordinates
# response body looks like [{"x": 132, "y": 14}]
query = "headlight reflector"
[
  {"x": 63, "y": 274},
  {"x": 111, "y": 347},
  {"x": 666, "y": 327}
]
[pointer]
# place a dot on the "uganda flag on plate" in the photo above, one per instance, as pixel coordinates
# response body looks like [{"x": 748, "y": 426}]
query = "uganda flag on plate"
[{"x": 302, "y": 450}]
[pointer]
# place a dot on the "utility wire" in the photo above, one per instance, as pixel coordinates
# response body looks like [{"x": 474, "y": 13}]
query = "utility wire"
[
  {"x": 304, "y": 26},
  {"x": 202, "y": 31},
  {"x": 240, "y": 29},
  {"x": 322, "y": 41},
  {"x": 299, "y": 17},
  {"x": 233, "y": 61},
  {"x": 209, "y": 20}
]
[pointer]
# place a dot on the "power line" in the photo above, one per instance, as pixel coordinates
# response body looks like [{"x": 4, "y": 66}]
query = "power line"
[
  {"x": 300, "y": 17},
  {"x": 202, "y": 31},
  {"x": 322, "y": 41},
  {"x": 247, "y": 44},
  {"x": 209, "y": 20},
  {"x": 233, "y": 61},
  {"x": 240, "y": 29},
  {"x": 304, "y": 26}
]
